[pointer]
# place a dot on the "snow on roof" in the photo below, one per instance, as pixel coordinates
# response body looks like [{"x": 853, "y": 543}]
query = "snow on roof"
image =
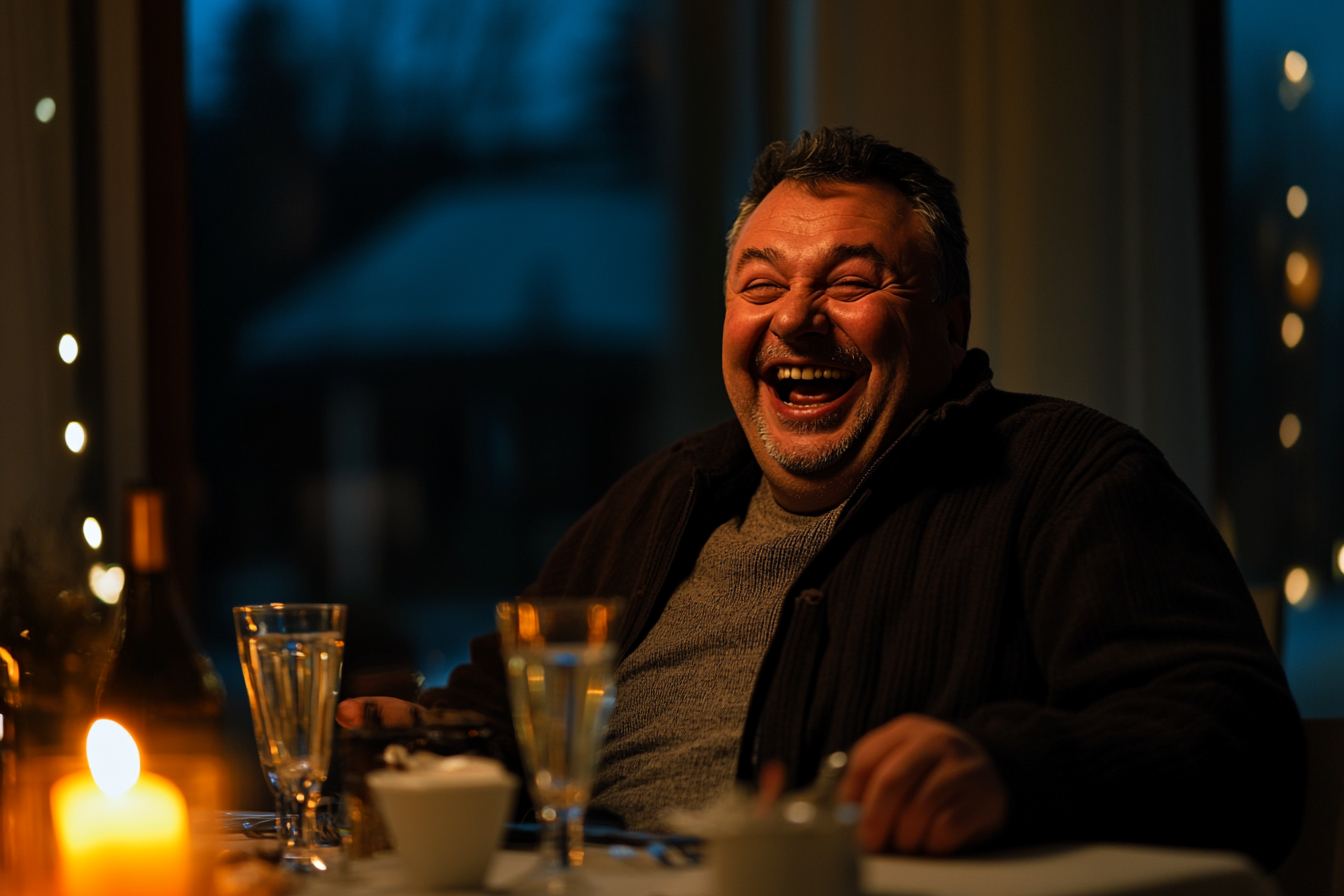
[{"x": 471, "y": 272}]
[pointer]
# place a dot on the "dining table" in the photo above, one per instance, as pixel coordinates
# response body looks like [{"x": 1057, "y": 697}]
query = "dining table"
[{"x": 1096, "y": 869}]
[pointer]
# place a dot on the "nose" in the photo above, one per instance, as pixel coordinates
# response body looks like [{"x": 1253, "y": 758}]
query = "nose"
[{"x": 800, "y": 312}]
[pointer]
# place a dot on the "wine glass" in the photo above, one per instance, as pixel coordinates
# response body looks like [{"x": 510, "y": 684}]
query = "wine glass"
[
  {"x": 291, "y": 657},
  {"x": 560, "y": 658}
]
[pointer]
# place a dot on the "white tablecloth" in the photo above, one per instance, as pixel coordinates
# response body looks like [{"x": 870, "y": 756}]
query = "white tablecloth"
[{"x": 1094, "y": 870}]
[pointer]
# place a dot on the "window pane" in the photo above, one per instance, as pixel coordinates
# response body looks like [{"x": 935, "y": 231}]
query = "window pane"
[
  {"x": 1284, "y": 401},
  {"x": 431, "y": 302}
]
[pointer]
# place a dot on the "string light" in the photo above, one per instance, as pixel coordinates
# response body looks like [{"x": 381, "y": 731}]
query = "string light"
[
  {"x": 93, "y": 533},
  {"x": 45, "y": 110},
  {"x": 74, "y": 437},
  {"x": 1294, "y": 66},
  {"x": 1302, "y": 274},
  {"x": 1296, "y": 585},
  {"x": 1296, "y": 81},
  {"x": 1296, "y": 268},
  {"x": 68, "y": 348},
  {"x": 1290, "y": 430},
  {"x": 107, "y": 582},
  {"x": 1296, "y": 201},
  {"x": 1292, "y": 329}
]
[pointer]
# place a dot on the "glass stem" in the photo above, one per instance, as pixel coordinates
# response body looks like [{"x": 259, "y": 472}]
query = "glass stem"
[
  {"x": 561, "y": 838},
  {"x": 286, "y": 819},
  {"x": 550, "y": 840},
  {"x": 309, "y": 801},
  {"x": 570, "y": 823}
]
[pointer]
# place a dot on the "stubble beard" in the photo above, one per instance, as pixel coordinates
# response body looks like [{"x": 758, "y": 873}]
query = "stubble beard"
[{"x": 807, "y": 461}]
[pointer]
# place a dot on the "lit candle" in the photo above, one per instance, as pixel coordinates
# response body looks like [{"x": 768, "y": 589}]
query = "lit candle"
[{"x": 120, "y": 833}]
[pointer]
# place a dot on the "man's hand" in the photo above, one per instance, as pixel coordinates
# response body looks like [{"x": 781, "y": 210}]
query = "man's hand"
[
  {"x": 924, "y": 786},
  {"x": 393, "y": 713}
]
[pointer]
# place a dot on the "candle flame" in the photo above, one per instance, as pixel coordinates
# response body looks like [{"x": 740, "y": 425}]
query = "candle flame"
[{"x": 114, "y": 760}]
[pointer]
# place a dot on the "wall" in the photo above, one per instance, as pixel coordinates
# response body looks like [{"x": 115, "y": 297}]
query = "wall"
[
  {"x": 70, "y": 262},
  {"x": 1070, "y": 130},
  {"x": 38, "y": 476}
]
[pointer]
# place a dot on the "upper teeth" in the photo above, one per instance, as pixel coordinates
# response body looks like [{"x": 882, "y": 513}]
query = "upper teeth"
[{"x": 812, "y": 373}]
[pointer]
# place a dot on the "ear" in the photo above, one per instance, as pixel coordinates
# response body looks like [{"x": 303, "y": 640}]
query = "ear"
[{"x": 957, "y": 310}]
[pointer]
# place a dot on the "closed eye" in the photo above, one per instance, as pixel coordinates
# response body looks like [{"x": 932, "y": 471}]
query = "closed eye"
[
  {"x": 762, "y": 291},
  {"x": 850, "y": 288}
]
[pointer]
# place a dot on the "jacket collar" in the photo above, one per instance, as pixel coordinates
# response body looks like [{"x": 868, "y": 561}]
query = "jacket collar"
[{"x": 970, "y": 385}]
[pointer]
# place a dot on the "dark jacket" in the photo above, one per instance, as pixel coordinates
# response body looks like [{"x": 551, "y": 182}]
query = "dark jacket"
[{"x": 1023, "y": 567}]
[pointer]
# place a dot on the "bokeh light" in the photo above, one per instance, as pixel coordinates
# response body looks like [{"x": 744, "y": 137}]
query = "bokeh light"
[
  {"x": 1296, "y": 585},
  {"x": 1302, "y": 275},
  {"x": 74, "y": 437},
  {"x": 1296, "y": 201},
  {"x": 93, "y": 533},
  {"x": 1290, "y": 430},
  {"x": 1294, "y": 66},
  {"x": 107, "y": 582},
  {"x": 1296, "y": 268},
  {"x": 68, "y": 348},
  {"x": 45, "y": 110},
  {"x": 1292, "y": 329}
]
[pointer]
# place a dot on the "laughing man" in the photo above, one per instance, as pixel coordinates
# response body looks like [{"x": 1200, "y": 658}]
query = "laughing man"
[{"x": 1008, "y": 609}]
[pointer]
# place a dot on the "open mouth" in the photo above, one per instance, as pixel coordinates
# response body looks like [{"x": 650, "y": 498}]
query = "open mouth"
[{"x": 809, "y": 386}]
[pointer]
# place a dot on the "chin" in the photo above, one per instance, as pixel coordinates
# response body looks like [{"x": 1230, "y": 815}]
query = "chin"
[{"x": 818, "y": 456}]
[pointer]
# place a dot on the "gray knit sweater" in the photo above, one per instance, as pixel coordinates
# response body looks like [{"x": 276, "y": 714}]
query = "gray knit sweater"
[{"x": 682, "y": 695}]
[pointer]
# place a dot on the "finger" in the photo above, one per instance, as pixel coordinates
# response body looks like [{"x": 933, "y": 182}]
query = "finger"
[
  {"x": 912, "y": 827},
  {"x": 770, "y": 786},
  {"x": 964, "y": 824},
  {"x": 394, "y": 713},
  {"x": 868, "y": 753},
  {"x": 885, "y": 798},
  {"x": 391, "y": 712},
  {"x": 942, "y": 787},
  {"x": 350, "y": 713},
  {"x": 962, "y": 802},
  {"x": 953, "y": 828}
]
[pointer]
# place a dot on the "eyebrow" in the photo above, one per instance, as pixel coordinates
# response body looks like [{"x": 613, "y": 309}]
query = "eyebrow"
[
  {"x": 747, "y": 255},
  {"x": 835, "y": 256},
  {"x": 867, "y": 251}
]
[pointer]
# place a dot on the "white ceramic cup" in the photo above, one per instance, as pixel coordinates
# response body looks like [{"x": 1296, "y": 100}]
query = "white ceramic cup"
[
  {"x": 772, "y": 857},
  {"x": 445, "y": 824}
]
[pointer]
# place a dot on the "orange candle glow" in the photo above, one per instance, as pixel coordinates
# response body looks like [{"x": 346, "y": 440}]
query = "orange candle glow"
[{"x": 120, "y": 832}]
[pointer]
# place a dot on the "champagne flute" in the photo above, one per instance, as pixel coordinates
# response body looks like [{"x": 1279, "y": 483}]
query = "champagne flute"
[
  {"x": 286, "y": 810},
  {"x": 560, "y": 658},
  {"x": 292, "y": 663}
]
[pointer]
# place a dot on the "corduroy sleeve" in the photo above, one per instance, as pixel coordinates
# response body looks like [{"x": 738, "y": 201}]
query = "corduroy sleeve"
[{"x": 1168, "y": 717}]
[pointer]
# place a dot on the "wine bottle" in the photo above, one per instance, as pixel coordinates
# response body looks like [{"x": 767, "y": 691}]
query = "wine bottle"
[{"x": 159, "y": 685}]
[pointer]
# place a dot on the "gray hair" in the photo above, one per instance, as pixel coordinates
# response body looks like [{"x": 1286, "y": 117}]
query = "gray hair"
[{"x": 838, "y": 155}]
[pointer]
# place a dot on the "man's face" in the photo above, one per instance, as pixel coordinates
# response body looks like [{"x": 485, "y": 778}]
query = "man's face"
[{"x": 833, "y": 337}]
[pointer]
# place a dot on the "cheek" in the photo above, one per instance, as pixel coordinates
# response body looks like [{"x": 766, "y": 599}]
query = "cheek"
[
  {"x": 880, "y": 334},
  {"x": 742, "y": 331}
]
